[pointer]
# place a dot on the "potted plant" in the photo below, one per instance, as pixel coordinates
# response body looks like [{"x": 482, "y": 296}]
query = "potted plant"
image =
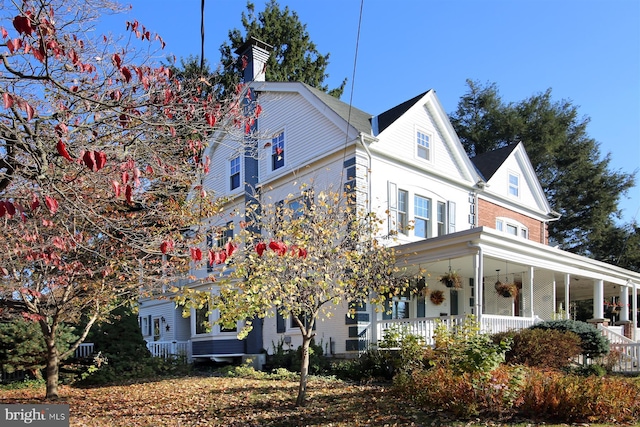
[
  {"x": 451, "y": 279},
  {"x": 507, "y": 290},
  {"x": 437, "y": 297}
]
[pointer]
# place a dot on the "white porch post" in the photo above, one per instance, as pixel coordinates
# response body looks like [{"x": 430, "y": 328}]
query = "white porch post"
[
  {"x": 598, "y": 299},
  {"x": 567, "y": 305},
  {"x": 531, "y": 311},
  {"x": 634, "y": 307},
  {"x": 624, "y": 300},
  {"x": 478, "y": 264}
]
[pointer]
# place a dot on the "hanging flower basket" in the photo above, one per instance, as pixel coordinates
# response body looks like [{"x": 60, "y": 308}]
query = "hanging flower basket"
[
  {"x": 507, "y": 290},
  {"x": 437, "y": 297},
  {"x": 451, "y": 279}
]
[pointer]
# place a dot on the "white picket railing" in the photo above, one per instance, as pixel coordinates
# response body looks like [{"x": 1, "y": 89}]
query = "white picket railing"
[
  {"x": 84, "y": 350},
  {"x": 168, "y": 349},
  {"x": 493, "y": 323}
]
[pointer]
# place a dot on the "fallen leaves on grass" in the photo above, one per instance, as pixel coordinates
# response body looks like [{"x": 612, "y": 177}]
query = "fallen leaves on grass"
[{"x": 217, "y": 401}]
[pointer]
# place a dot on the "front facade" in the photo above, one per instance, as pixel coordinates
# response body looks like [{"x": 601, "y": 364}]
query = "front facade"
[{"x": 485, "y": 218}]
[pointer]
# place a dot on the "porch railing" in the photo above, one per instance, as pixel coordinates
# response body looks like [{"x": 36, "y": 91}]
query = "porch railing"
[
  {"x": 84, "y": 350},
  {"x": 425, "y": 327},
  {"x": 167, "y": 349}
]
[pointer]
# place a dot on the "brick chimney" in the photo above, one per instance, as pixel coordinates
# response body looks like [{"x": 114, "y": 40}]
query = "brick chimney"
[{"x": 256, "y": 53}]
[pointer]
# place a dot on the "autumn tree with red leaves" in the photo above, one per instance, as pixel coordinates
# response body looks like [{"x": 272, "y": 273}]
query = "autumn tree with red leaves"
[
  {"x": 305, "y": 259},
  {"x": 101, "y": 165}
]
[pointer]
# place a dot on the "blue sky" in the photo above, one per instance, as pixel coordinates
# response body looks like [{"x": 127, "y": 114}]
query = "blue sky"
[{"x": 586, "y": 51}]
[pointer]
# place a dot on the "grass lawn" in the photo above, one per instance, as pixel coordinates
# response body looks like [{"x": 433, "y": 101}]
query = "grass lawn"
[{"x": 218, "y": 401}]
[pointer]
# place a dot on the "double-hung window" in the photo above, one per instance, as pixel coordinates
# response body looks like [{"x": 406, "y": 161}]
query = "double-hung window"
[
  {"x": 514, "y": 185},
  {"x": 402, "y": 220},
  {"x": 422, "y": 216},
  {"x": 234, "y": 173},
  {"x": 277, "y": 151},
  {"x": 423, "y": 145},
  {"x": 442, "y": 218}
]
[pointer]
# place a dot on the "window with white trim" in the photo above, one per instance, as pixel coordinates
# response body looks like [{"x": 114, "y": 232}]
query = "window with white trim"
[
  {"x": 234, "y": 173},
  {"x": 423, "y": 145},
  {"x": 512, "y": 227},
  {"x": 514, "y": 184},
  {"x": 277, "y": 151},
  {"x": 442, "y": 218},
  {"x": 422, "y": 216}
]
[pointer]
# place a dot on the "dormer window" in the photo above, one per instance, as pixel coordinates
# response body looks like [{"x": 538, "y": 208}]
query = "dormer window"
[
  {"x": 423, "y": 145},
  {"x": 514, "y": 185}
]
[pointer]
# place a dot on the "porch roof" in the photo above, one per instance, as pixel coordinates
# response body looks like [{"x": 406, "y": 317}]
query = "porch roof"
[{"x": 512, "y": 255}]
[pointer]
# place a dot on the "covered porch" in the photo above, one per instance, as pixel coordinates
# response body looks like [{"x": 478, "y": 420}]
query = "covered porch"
[{"x": 552, "y": 284}]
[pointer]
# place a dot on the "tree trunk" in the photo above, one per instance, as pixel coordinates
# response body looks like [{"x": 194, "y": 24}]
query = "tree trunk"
[
  {"x": 304, "y": 371},
  {"x": 52, "y": 368}
]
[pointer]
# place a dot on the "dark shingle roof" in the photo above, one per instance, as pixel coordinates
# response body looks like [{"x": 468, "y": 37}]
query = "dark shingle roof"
[
  {"x": 390, "y": 116},
  {"x": 359, "y": 119},
  {"x": 489, "y": 162}
]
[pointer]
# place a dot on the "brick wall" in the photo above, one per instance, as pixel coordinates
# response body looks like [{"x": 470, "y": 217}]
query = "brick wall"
[{"x": 488, "y": 212}]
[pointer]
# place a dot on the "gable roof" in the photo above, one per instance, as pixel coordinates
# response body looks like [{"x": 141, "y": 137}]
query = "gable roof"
[
  {"x": 359, "y": 119},
  {"x": 488, "y": 163},
  {"x": 393, "y": 114}
]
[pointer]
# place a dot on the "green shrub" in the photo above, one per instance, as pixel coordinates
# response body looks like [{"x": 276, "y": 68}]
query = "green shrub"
[
  {"x": 291, "y": 359},
  {"x": 464, "y": 348},
  {"x": 593, "y": 342},
  {"x": 372, "y": 364},
  {"x": 538, "y": 347}
]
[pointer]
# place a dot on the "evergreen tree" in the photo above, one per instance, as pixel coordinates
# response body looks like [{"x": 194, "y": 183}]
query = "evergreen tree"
[
  {"x": 578, "y": 181},
  {"x": 22, "y": 346},
  {"x": 294, "y": 57}
]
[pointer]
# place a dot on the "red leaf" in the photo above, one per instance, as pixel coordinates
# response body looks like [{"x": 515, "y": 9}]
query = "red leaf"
[
  {"x": 230, "y": 248},
  {"x": 116, "y": 60},
  {"x": 149, "y": 170},
  {"x": 52, "y": 204},
  {"x": 8, "y": 100},
  {"x": 116, "y": 187},
  {"x": 11, "y": 210},
  {"x": 23, "y": 25},
  {"x": 258, "y": 110},
  {"x": 302, "y": 253},
  {"x": 62, "y": 150},
  {"x": 125, "y": 177},
  {"x": 211, "y": 119},
  {"x": 35, "y": 202},
  {"x": 101, "y": 159},
  {"x": 90, "y": 160},
  {"x": 128, "y": 194},
  {"x": 126, "y": 74},
  {"x": 30, "y": 111},
  {"x": 196, "y": 254},
  {"x": 278, "y": 247},
  {"x": 61, "y": 129},
  {"x": 212, "y": 257},
  {"x": 260, "y": 248},
  {"x": 5, "y": 34},
  {"x": 222, "y": 257},
  {"x": 166, "y": 246},
  {"x": 3, "y": 209}
]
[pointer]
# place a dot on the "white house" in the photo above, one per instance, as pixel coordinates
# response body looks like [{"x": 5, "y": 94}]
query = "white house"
[{"x": 485, "y": 218}]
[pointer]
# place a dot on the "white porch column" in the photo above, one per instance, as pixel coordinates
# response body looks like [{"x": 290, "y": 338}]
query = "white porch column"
[
  {"x": 598, "y": 299},
  {"x": 530, "y": 289},
  {"x": 634, "y": 307},
  {"x": 567, "y": 305},
  {"x": 478, "y": 264},
  {"x": 624, "y": 300}
]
